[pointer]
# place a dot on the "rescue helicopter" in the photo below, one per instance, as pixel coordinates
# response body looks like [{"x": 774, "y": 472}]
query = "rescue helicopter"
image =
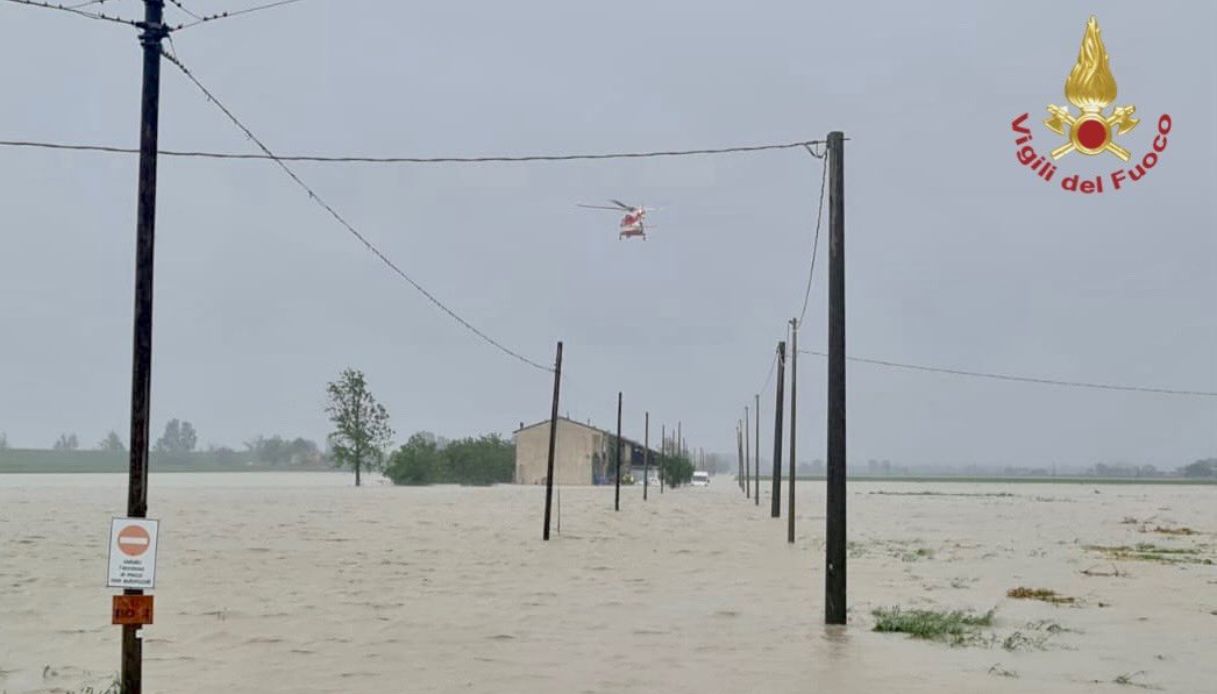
[{"x": 632, "y": 224}]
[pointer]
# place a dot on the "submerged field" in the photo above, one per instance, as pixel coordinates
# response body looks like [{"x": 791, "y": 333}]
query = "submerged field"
[{"x": 297, "y": 582}]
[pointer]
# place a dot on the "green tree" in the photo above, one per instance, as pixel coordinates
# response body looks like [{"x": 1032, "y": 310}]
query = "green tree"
[
  {"x": 179, "y": 437},
  {"x": 361, "y": 425},
  {"x": 676, "y": 470},
  {"x": 1200, "y": 469},
  {"x": 484, "y": 460},
  {"x": 417, "y": 462},
  {"x": 112, "y": 444},
  {"x": 66, "y": 442},
  {"x": 265, "y": 450}
]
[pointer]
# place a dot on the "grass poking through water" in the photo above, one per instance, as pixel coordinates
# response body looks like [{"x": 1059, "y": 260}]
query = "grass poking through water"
[
  {"x": 1145, "y": 551},
  {"x": 931, "y": 493},
  {"x": 955, "y": 627},
  {"x": 1041, "y": 594},
  {"x": 1162, "y": 530}
]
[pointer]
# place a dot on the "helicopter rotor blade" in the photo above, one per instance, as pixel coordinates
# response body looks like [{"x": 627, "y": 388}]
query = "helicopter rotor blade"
[
  {"x": 622, "y": 205},
  {"x": 598, "y": 207}
]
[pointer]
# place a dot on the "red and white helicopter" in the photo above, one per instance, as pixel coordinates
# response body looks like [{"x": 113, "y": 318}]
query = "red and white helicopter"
[{"x": 632, "y": 223}]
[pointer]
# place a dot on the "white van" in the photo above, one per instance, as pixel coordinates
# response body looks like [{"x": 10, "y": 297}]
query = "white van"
[{"x": 701, "y": 478}]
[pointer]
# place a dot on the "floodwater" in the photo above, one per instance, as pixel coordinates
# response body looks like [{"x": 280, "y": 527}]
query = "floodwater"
[{"x": 298, "y": 582}]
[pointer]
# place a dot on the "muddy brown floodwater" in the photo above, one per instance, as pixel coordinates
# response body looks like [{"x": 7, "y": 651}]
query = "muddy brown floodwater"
[{"x": 298, "y": 582}]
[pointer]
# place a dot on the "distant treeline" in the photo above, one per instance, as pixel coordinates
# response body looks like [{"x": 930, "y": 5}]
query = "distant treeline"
[
  {"x": 1205, "y": 469},
  {"x": 262, "y": 453}
]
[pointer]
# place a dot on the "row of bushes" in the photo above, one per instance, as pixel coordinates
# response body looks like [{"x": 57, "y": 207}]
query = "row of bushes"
[{"x": 482, "y": 460}]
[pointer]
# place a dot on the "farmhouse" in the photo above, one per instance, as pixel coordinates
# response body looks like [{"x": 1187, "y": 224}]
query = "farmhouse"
[{"x": 583, "y": 454}]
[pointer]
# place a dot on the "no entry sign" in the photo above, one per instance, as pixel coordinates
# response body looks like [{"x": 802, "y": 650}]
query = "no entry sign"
[{"x": 132, "y": 553}]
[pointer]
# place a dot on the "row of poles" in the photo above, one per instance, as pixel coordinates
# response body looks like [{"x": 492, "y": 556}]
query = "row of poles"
[
  {"x": 153, "y": 33},
  {"x": 676, "y": 444},
  {"x": 750, "y": 465}
]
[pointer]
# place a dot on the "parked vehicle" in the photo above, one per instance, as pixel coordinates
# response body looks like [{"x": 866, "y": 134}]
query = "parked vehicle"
[{"x": 701, "y": 478}]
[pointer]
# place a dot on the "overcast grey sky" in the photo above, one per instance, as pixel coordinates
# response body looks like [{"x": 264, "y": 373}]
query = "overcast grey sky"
[{"x": 957, "y": 255}]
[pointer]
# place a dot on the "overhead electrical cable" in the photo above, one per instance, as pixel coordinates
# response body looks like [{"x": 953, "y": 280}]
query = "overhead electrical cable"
[
  {"x": 111, "y": 149},
  {"x": 815, "y": 244},
  {"x": 225, "y": 15},
  {"x": 76, "y": 10},
  {"x": 347, "y": 225},
  {"x": 1023, "y": 379}
]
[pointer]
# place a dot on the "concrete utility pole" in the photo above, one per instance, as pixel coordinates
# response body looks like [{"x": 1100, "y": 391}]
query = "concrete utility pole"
[
  {"x": 646, "y": 456},
  {"x": 776, "y": 506},
  {"x": 553, "y": 437},
  {"x": 756, "y": 486},
  {"x": 739, "y": 443},
  {"x": 747, "y": 452},
  {"x": 835, "y": 538},
  {"x": 154, "y": 32},
  {"x": 663, "y": 452},
  {"x": 617, "y": 493},
  {"x": 794, "y": 370}
]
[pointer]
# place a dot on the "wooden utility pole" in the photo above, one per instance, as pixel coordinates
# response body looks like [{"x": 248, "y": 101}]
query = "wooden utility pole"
[
  {"x": 776, "y": 506},
  {"x": 835, "y": 538},
  {"x": 756, "y": 487},
  {"x": 747, "y": 456},
  {"x": 794, "y": 371},
  {"x": 154, "y": 32},
  {"x": 617, "y": 493},
  {"x": 646, "y": 456},
  {"x": 553, "y": 438}
]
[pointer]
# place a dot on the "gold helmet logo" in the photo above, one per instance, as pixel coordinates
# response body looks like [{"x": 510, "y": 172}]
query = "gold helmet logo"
[{"x": 1091, "y": 88}]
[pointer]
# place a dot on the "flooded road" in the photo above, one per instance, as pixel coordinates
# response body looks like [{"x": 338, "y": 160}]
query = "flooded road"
[{"x": 298, "y": 582}]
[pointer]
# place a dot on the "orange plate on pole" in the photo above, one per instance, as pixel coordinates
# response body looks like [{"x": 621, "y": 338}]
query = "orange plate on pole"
[{"x": 132, "y": 609}]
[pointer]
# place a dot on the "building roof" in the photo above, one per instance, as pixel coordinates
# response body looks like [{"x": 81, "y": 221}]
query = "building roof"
[{"x": 545, "y": 422}]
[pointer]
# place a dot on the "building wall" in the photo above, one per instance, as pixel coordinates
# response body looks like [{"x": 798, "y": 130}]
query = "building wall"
[
  {"x": 573, "y": 451},
  {"x": 575, "y": 455}
]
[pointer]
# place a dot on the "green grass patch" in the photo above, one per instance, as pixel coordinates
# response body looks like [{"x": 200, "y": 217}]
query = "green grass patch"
[
  {"x": 1146, "y": 551},
  {"x": 984, "y": 479},
  {"x": 1161, "y": 530},
  {"x": 928, "y": 493},
  {"x": 1041, "y": 594},
  {"x": 956, "y": 627}
]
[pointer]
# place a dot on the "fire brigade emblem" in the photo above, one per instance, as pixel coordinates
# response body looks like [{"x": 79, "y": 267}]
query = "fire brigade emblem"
[{"x": 1091, "y": 88}]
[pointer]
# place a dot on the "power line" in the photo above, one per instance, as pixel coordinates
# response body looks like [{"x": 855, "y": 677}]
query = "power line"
[
  {"x": 109, "y": 149},
  {"x": 183, "y": 8},
  {"x": 224, "y": 15},
  {"x": 1023, "y": 379},
  {"x": 339, "y": 218},
  {"x": 75, "y": 9},
  {"x": 769, "y": 376},
  {"x": 815, "y": 245}
]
